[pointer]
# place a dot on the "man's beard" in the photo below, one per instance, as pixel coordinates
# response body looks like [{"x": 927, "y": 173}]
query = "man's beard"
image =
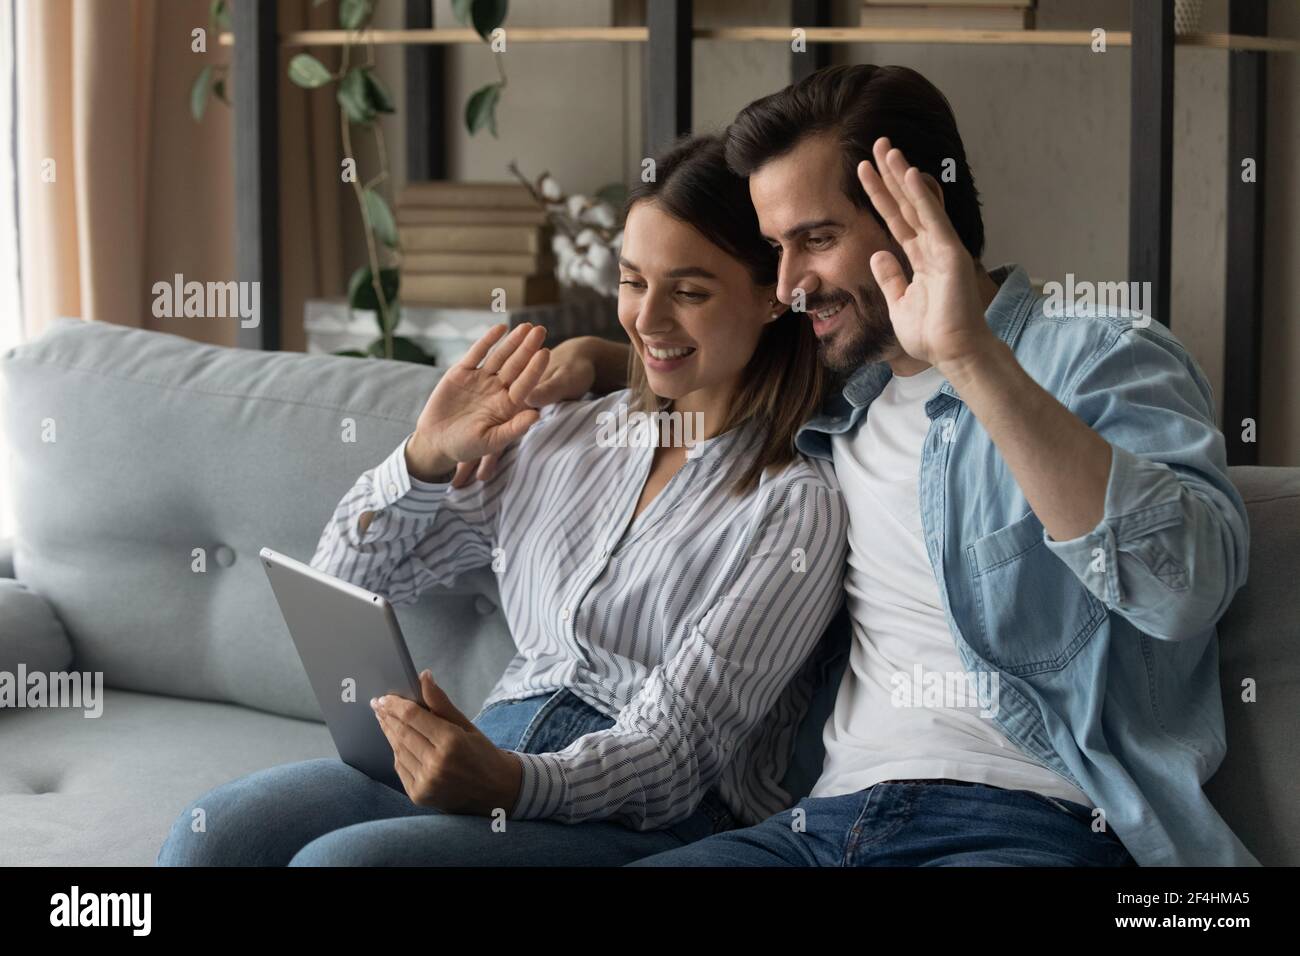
[{"x": 864, "y": 335}]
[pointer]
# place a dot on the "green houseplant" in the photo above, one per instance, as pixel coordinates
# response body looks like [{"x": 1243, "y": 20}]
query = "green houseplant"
[{"x": 362, "y": 98}]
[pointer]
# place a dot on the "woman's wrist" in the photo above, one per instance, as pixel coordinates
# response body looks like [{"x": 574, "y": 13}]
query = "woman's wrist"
[{"x": 508, "y": 783}]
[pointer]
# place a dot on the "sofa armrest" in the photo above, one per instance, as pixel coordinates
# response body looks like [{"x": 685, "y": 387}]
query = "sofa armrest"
[
  {"x": 30, "y": 632},
  {"x": 7, "y": 558}
]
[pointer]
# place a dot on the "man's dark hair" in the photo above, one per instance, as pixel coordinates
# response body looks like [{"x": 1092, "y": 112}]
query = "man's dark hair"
[{"x": 859, "y": 104}]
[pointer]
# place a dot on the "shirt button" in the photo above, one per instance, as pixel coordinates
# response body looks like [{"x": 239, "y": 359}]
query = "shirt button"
[
  {"x": 564, "y": 614},
  {"x": 392, "y": 488}
]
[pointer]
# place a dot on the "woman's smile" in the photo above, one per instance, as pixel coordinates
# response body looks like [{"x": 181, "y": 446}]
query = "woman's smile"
[{"x": 666, "y": 358}]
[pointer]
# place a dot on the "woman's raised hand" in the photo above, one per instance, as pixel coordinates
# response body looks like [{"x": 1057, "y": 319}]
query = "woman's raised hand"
[{"x": 479, "y": 405}]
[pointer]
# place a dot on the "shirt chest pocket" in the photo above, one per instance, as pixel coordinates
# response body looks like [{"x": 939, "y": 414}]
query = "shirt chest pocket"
[{"x": 1032, "y": 615}]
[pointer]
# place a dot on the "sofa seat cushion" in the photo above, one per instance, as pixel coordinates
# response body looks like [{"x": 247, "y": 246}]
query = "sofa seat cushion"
[{"x": 104, "y": 791}]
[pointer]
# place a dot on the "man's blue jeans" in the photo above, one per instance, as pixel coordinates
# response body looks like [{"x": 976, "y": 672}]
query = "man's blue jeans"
[
  {"x": 326, "y": 813},
  {"x": 913, "y": 823}
]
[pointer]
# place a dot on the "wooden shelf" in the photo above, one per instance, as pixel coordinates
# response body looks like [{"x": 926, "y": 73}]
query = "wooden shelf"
[
  {"x": 915, "y": 35},
  {"x": 1116, "y": 38},
  {"x": 1119, "y": 38},
  {"x": 1234, "y": 41},
  {"x": 444, "y": 37}
]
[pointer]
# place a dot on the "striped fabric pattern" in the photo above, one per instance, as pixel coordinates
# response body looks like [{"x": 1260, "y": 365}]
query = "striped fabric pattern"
[{"x": 691, "y": 626}]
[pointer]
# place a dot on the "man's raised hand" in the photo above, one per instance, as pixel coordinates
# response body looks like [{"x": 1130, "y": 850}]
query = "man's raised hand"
[{"x": 937, "y": 317}]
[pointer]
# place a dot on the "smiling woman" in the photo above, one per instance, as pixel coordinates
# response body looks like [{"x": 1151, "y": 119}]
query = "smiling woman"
[
  {"x": 665, "y": 606},
  {"x": 674, "y": 305}
]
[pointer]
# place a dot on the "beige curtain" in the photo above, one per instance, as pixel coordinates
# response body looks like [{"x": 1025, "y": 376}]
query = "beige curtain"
[{"x": 119, "y": 188}]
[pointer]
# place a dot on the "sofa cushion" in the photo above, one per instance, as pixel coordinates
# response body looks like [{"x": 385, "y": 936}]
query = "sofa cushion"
[
  {"x": 104, "y": 791},
  {"x": 138, "y": 454},
  {"x": 7, "y": 558},
  {"x": 1255, "y": 787}
]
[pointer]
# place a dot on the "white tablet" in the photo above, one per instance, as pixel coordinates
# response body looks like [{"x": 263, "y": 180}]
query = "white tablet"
[{"x": 352, "y": 648}]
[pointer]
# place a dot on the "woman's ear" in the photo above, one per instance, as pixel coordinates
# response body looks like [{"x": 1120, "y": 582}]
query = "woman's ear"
[{"x": 773, "y": 307}]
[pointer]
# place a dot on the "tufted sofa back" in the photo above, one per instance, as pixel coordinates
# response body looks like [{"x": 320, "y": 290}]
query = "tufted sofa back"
[{"x": 136, "y": 455}]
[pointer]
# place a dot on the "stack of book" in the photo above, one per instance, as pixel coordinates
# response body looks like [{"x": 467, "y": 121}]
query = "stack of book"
[
  {"x": 463, "y": 241},
  {"x": 949, "y": 14}
]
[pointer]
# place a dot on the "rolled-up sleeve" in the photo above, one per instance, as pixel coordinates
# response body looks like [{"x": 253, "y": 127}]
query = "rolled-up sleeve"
[
  {"x": 1171, "y": 548},
  {"x": 720, "y": 675}
]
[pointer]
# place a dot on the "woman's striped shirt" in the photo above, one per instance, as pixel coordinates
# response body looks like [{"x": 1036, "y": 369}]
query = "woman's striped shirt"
[{"x": 691, "y": 625}]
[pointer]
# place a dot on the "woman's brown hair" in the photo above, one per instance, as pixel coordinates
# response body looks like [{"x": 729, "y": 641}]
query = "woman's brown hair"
[{"x": 782, "y": 384}]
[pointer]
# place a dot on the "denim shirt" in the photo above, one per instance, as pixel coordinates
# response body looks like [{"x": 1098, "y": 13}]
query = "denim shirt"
[{"x": 1104, "y": 645}]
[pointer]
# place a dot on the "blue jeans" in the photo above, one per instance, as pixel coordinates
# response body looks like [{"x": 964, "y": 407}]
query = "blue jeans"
[
  {"x": 913, "y": 823},
  {"x": 326, "y": 813}
]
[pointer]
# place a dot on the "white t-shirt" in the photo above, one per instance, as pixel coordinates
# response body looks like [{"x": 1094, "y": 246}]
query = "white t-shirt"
[{"x": 906, "y": 708}]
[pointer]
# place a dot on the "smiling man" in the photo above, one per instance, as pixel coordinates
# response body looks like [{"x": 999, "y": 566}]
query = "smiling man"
[{"x": 1039, "y": 506}]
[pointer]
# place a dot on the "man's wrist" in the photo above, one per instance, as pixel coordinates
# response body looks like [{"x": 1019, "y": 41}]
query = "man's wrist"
[
  {"x": 426, "y": 463},
  {"x": 608, "y": 361},
  {"x": 989, "y": 362}
]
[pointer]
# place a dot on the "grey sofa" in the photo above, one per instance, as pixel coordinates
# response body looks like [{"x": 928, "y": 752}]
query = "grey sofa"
[{"x": 150, "y": 469}]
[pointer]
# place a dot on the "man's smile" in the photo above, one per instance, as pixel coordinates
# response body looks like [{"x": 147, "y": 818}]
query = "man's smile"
[{"x": 824, "y": 320}]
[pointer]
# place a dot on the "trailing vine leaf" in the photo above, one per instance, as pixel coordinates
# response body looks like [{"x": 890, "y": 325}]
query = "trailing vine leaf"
[
  {"x": 381, "y": 218},
  {"x": 354, "y": 353},
  {"x": 218, "y": 15},
  {"x": 487, "y": 15},
  {"x": 199, "y": 93},
  {"x": 461, "y": 10},
  {"x": 404, "y": 350},
  {"x": 308, "y": 72},
  {"x": 353, "y": 13},
  {"x": 379, "y": 97},
  {"x": 361, "y": 292},
  {"x": 481, "y": 110},
  {"x": 219, "y": 90},
  {"x": 354, "y": 96}
]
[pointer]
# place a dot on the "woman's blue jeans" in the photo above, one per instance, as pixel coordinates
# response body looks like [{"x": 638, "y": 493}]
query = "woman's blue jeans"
[{"x": 326, "y": 813}]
